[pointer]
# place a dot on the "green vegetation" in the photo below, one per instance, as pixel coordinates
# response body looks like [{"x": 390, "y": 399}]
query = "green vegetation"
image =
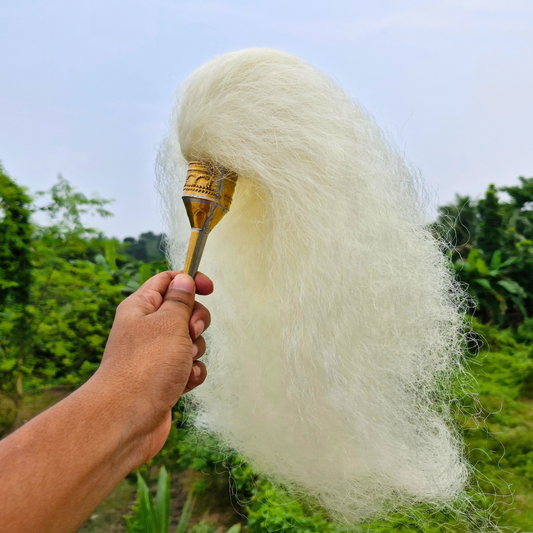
[
  {"x": 151, "y": 516},
  {"x": 60, "y": 284},
  {"x": 493, "y": 250},
  {"x": 15, "y": 282},
  {"x": 59, "y": 287}
]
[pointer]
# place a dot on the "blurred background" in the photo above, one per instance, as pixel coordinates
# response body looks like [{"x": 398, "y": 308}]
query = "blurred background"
[{"x": 85, "y": 95}]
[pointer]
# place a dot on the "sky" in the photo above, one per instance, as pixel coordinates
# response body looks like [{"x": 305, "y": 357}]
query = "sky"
[{"x": 87, "y": 86}]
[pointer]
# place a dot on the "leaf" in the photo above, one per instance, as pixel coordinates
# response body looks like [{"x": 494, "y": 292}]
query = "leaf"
[
  {"x": 234, "y": 529},
  {"x": 518, "y": 302},
  {"x": 6, "y": 284},
  {"x": 484, "y": 283},
  {"x": 186, "y": 513},
  {"x": 482, "y": 267},
  {"x": 162, "y": 501},
  {"x": 111, "y": 255},
  {"x": 132, "y": 285},
  {"x": 512, "y": 286},
  {"x": 510, "y": 262},
  {"x": 146, "y": 507},
  {"x": 8, "y": 364},
  {"x": 459, "y": 266},
  {"x": 145, "y": 272},
  {"x": 496, "y": 260},
  {"x": 100, "y": 260},
  {"x": 130, "y": 525},
  {"x": 473, "y": 256}
]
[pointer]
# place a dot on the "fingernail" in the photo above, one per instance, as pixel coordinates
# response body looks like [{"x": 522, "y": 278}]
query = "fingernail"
[
  {"x": 198, "y": 328},
  {"x": 183, "y": 282},
  {"x": 194, "y": 350},
  {"x": 197, "y": 371}
]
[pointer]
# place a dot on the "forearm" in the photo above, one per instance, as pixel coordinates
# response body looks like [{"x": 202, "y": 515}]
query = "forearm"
[{"x": 57, "y": 468}]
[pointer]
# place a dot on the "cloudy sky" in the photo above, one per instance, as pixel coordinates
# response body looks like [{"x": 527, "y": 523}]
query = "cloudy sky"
[{"x": 87, "y": 85}]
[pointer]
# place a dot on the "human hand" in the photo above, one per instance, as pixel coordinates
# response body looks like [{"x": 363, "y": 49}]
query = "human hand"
[
  {"x": 81, "y": 448},
  {"x": 151, "y": 357}
]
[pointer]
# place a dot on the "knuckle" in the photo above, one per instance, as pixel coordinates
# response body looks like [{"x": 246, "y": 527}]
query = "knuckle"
[
  {"x": 178, "y": 299},
  {"x": 206, "y": 315},
  {"x": 192, "y": 384},
  {"x": 200, "y": 344},
  {"x": 122, "y": 306},
  {"x": 203, "y": 375}
]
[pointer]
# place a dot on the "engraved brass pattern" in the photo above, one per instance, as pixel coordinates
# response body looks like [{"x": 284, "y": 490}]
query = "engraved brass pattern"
[
  {"x": 202, "y": 181},
  {"x": 207, "y": 196}
]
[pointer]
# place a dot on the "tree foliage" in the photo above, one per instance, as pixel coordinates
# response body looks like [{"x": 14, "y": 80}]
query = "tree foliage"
[
  {"x": 147, "y": 248},
  {"x": 492, "y": 250},
  {"x": 62, "y": 283},
  {"x": 15, "y": 237},
  {"x": 489, "y": 231}
]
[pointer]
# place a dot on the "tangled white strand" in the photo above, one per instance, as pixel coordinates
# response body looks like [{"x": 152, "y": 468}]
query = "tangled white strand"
[{"x": 336, "y": 323}]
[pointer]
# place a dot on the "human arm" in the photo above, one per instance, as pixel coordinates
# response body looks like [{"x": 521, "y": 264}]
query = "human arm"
[{"x": 58, "y": 467}]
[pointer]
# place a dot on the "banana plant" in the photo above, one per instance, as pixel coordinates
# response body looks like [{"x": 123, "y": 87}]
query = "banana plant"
[{"x": 490, "y": 285}]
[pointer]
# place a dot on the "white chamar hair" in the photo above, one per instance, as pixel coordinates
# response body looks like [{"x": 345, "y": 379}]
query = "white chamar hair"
[{"x": 336, "y": 322}]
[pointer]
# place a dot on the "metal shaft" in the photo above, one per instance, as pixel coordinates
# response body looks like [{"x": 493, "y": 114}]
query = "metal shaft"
[{"x": 195, "y": 252}]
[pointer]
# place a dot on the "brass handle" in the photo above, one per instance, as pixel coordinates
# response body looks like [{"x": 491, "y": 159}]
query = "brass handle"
[{"x": 207, "y": 196}]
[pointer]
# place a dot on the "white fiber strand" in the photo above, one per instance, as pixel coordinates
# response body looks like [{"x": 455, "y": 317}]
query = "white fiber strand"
[{"x": 335, "y": 319}]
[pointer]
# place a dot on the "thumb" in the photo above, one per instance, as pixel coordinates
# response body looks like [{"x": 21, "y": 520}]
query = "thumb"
[{"x": 179, "y": 298}]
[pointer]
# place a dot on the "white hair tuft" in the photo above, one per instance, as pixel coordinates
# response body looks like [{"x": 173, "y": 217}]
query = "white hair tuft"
[{"x": 336, "y": 324}]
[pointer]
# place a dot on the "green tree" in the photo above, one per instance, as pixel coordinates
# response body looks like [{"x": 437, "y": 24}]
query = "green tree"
[
  {"x": 15, "y": 281},
  {"x": 15, "y": 237},
  {"x": 518, "y": 240},
  {"x": 491, "y": 246},
  {"x": 54, "y": 330},
  {"x": 490, "y": 226},
  {"x": 147, "y": 248},
  {"x": 57, "y": 328},
  {"x": 521, "y": 195}
]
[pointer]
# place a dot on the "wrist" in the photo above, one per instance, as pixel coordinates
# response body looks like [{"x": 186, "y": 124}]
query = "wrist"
[{"x": 122, "y": 417}]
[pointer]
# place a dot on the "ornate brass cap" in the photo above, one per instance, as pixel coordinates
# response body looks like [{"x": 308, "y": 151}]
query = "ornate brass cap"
[
  {"x": 207, "y": 196},
  {"x": 212, "y": 183}
]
